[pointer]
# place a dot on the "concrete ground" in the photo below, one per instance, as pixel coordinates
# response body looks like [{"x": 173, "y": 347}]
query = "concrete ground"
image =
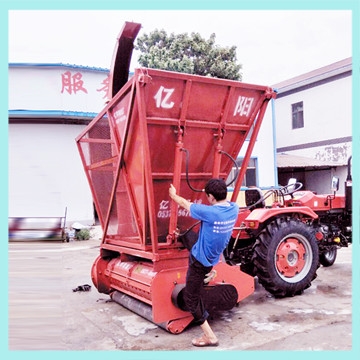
[{"x": 46, "y": 314}]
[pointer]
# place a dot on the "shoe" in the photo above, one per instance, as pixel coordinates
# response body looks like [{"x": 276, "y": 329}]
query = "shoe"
[{"x": 204, "y": 341}]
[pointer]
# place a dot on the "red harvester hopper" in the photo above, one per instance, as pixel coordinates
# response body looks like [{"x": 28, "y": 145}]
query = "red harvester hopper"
[{"x": 164, "y": 127}]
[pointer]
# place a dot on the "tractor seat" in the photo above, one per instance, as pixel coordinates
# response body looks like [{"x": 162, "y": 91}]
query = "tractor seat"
[{"x": 253, "y": 196}]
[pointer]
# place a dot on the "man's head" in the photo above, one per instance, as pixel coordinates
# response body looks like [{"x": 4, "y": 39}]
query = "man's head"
[{"x": 217, "y": 188}]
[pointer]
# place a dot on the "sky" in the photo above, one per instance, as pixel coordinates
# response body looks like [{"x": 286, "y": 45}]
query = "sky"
[{"x": 272, "y": 45}]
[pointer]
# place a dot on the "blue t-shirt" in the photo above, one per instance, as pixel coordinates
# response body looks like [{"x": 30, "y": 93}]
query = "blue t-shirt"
[{"x": 215, "y": 232}]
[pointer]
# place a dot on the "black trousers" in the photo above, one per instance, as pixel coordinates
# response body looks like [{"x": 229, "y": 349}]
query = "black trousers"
[{"x": 192, "y": 293}]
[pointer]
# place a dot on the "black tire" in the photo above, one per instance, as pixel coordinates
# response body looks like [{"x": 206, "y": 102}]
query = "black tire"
[
  {"x": 327, "y": 258},
  {"x": 286, "y": 257}
]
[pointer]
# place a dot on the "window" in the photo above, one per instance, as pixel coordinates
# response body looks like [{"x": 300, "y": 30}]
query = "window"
[
  {"x": 297, "y": 111},
  {"x": 250, "y": 178}
]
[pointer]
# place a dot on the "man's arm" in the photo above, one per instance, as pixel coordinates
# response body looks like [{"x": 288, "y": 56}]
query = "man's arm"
[{"x": 178, "y": 199}]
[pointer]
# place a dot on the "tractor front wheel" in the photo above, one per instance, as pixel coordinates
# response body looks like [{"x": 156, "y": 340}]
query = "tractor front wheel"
[
  {"x": 286, "y": 257},
  {"x": 328, "y": 257}
]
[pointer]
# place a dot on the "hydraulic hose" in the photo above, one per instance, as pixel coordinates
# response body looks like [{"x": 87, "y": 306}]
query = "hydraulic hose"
[
  {"x": 236, "y": 166},
  {"x": 187, "y": 169}
]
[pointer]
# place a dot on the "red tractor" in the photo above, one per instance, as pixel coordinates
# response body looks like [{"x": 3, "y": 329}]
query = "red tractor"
[
  {"x": 162, "y": 127},
  {"x": 283, "y": 241}
]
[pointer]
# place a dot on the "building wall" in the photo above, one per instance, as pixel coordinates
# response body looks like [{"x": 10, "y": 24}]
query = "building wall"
[
  {"x": 45, "y": 173},
  {"x": 318, "y": 180},
  {"x": 326, "y": 136},
  {"x": 67, "y": 88},
  {"x": 264, "y": 151},
  {"x": 321, "y": 179},
  {"x": 327, "y": 130}
]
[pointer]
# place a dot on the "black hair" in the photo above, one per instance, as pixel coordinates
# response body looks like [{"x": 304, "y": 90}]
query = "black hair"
[{"x": 217, "y": 188}]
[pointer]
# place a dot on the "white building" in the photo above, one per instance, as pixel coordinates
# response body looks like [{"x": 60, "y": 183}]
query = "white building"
[
  {"x": 49, "y": 105},
  {"x": 313, "y": 117}
]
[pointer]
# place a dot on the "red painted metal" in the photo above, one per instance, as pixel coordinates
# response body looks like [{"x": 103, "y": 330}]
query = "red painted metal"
[
  {"x": 259, "y": 216},
  {"x": 317, "y": 202},
  {"x": 290, "y": 257},
  {"x": 134, "y": 149},
  {"x": 120, "y": 66}
]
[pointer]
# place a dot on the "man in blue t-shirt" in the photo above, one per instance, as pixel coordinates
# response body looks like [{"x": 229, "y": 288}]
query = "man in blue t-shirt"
[{"x": 217, "y": 222}]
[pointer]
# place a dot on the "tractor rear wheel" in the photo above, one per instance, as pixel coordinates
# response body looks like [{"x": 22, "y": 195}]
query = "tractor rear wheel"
[{"x": 286, "y": 257}]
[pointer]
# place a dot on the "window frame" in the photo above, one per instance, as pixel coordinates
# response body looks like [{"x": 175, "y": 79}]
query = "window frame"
[
  {"x": 297, "y": 116},
  {"x": 252, "y": 166}
]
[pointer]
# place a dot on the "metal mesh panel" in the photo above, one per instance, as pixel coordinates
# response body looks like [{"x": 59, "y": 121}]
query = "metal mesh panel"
[
  {"x": 100, "y": 156},
  {"x": 121, "y": 220}
]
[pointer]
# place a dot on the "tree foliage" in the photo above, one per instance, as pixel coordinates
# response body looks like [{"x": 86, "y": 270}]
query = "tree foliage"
[{"x": 190, "y": 54}]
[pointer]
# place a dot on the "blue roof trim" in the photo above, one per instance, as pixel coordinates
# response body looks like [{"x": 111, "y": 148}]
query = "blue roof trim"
[
  {"x": 51, "y": 113},
  {"x": 55, "y": 65}
]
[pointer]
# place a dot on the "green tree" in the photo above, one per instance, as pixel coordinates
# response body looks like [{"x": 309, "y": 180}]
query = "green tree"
[{"x": 190, "y": 54}]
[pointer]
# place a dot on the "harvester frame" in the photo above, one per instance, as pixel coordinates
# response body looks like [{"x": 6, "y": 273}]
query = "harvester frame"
[{"x": 158, "y": 128}]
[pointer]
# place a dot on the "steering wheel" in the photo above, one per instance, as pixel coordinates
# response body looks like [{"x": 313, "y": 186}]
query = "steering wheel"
[{"x": 289, "y": 189}]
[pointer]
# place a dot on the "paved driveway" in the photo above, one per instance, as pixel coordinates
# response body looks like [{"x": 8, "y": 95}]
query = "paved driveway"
[{"x": 45, "y": 313}]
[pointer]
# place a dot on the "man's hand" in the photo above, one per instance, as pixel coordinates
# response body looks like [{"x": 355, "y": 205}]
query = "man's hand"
[
  {"x": 178, "y": 199},
  {"x": 172, "y": 191},
  {"x": 210, "y": 276}
]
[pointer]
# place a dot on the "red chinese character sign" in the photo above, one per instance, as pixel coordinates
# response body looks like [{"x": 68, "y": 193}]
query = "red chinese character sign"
[
  {"x": 72, "y": 83},
  {"x": 105, "y": 87}
]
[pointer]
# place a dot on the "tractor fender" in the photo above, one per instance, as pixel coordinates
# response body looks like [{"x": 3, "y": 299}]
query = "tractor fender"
[{"x": 259, "y": 216}]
